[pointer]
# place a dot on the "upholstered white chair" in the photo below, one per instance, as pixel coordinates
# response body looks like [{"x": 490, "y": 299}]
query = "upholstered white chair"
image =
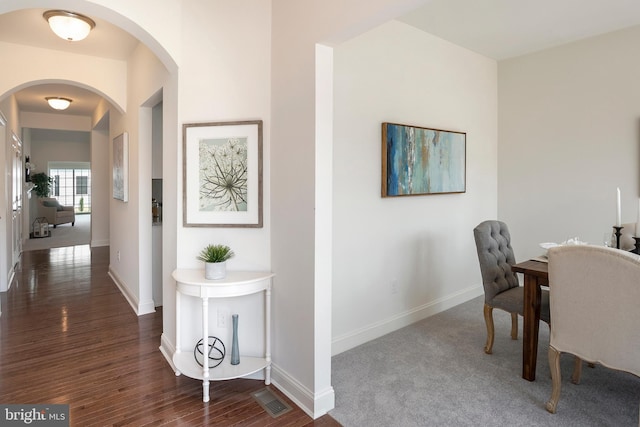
[
  {"x": 55, "y": 213},
  {"x": 501, "y": 286},
  {"x": 595, "y": 306}
]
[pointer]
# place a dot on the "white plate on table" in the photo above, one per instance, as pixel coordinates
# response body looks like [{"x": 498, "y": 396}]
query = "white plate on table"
[{"x": 548, "y": 245}]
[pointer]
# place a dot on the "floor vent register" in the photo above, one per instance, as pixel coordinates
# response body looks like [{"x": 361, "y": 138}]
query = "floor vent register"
[{"x": 271, "y": 403}]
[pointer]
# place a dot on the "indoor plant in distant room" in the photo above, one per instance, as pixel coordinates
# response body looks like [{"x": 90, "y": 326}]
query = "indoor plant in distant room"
[
  {"x": 41, "y": 184},
  {"x": 215, "y": 261}
]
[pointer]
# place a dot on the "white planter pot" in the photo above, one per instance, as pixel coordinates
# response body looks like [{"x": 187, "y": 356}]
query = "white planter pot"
[{"x": 215, "y": 270}]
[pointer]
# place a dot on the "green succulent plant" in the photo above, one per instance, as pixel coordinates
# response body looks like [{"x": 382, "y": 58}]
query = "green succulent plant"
[{"x": 215, "y": 253}]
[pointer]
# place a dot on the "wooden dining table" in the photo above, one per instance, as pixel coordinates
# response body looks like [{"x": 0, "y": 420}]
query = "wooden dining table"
[{"x": 536, "y": 274}]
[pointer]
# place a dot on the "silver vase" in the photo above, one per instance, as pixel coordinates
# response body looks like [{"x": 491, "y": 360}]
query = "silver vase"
[{"x": 235, "y": 352}]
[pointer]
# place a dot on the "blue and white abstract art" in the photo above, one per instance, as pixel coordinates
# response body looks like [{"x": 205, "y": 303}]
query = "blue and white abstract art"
[{"x": 418, "y": 161}]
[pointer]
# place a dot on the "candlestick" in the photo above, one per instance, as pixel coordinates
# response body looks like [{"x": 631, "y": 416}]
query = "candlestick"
[
  {"x": 618, "y": 234},
  {"x": 618, "y": 215}
]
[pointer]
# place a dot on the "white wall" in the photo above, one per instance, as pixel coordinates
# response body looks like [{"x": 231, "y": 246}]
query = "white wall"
[
  {"x": 3, "y": 200},
  {"x": 9, "y": 107},
  {"x": 56, "y": 121},
  {"x": 397, "y": 260},
  {"x": 58, "y": 146},
  {"x": 302, "y": 313},
  {"x": 100, "y": 184},
  {"x": 236, "y": 69},
  {"x": 569, "y": 135},
  {"x": 130, "y": 246}
]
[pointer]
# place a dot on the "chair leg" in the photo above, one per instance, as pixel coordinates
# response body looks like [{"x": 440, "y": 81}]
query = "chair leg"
[
  {"x": 514, "y": 326},
  {"x": 488, "y": 320},
  {"x": 577, "y": 370},
  {"x": 554, "y": 365}
]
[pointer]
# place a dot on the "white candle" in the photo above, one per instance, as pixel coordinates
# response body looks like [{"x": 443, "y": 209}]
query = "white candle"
[
  {"x": 638, "y": 221},
  {"x": 618, "y": 221}
]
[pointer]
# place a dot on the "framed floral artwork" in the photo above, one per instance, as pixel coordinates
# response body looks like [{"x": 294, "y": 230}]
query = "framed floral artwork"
[{"x": 222, "y": 174}]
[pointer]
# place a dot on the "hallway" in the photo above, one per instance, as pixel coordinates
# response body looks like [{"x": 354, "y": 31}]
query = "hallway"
[{"x": 67, "y": 336}]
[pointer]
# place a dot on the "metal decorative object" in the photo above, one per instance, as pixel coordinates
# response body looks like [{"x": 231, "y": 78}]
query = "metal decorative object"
[{"x": 215, "y": 352}]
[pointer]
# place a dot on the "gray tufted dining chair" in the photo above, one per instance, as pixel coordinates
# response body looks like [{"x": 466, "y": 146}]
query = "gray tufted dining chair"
[{"x": 502, "y": 289}]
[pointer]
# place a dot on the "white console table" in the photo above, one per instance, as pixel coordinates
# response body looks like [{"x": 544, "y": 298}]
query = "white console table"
[{"x": 191, "y": 283}]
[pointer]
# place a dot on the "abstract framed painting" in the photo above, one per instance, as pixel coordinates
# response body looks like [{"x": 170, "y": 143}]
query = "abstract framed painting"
[
  {"x": 121, "y": 167},
  {"x": 222, "y": 174},
  {"x": 420, "y": 161}
]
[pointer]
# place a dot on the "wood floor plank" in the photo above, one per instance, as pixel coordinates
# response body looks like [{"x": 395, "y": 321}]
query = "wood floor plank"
[{"x": 68, "y": 336}]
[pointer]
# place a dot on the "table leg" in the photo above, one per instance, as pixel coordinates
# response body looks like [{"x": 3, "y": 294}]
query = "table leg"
[
  {"x": 205, "y": 349},
  {"x": 532, "y": 297},
  {"x": 267, "y": 321}
]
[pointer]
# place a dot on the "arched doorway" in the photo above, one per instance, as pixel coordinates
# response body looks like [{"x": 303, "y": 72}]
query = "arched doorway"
[{"x": 118, "y": 112}]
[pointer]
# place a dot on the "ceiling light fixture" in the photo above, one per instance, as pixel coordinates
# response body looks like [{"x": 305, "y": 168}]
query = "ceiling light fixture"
[
  {"x": 69, "y": 25},
  {"x": 58, "y": 103}
]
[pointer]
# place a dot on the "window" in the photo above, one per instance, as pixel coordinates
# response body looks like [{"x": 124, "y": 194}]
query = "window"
[
  {"x": 72, "y": 186},
  {"x": 81, "y": 185}
]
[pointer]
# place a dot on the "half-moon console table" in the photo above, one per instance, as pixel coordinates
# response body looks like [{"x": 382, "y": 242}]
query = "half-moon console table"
[{"x": 191, "y": 283}]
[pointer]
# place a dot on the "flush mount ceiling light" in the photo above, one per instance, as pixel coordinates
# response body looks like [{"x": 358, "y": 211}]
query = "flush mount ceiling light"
[
  {"x": 69, "y": 25},
  {"x": 58, "y": 103}
]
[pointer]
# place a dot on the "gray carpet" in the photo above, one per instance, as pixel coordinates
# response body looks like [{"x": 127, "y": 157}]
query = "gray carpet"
[
  {"x": 435, "y": 373},
  {"x": 63, "y": 235}
]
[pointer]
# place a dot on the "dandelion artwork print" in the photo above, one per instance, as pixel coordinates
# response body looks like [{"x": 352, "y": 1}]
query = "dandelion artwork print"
[{"x": 222, "y": 174}]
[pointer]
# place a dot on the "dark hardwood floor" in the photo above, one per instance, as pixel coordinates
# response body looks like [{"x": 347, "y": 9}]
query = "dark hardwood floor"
[{"x": 67, "y": 336}]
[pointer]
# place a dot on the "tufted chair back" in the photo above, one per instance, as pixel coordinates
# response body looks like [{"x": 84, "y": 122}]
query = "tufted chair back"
[{"x": 493, "y": 243}]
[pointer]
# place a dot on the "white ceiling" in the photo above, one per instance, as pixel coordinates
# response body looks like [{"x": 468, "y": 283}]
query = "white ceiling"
[
  {"x": 502, "y": 29},
  {"x": 28, "y": 27},
  {"x": 497, "y": 29}
]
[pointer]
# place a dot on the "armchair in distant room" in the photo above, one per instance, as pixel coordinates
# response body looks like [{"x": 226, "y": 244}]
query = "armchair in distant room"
[{"x": 54, "y": 212}]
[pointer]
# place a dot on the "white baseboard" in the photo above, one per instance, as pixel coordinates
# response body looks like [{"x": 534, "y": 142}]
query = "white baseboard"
[
  {"x": 146, "y": 307},
  {"x": 314, "y": 405},
  {"x": 131, "y": 299},
  {"x": 138, "y": 307},
  {"x": 360, "y": 336},
  {"x": 98, "y": 243},
  {"x": 167, "y": 349}
]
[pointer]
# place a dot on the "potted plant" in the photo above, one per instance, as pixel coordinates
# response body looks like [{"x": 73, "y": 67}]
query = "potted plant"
[
  {"x": 41, "y": 184},
  {"x": 215, "y": 261}
]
